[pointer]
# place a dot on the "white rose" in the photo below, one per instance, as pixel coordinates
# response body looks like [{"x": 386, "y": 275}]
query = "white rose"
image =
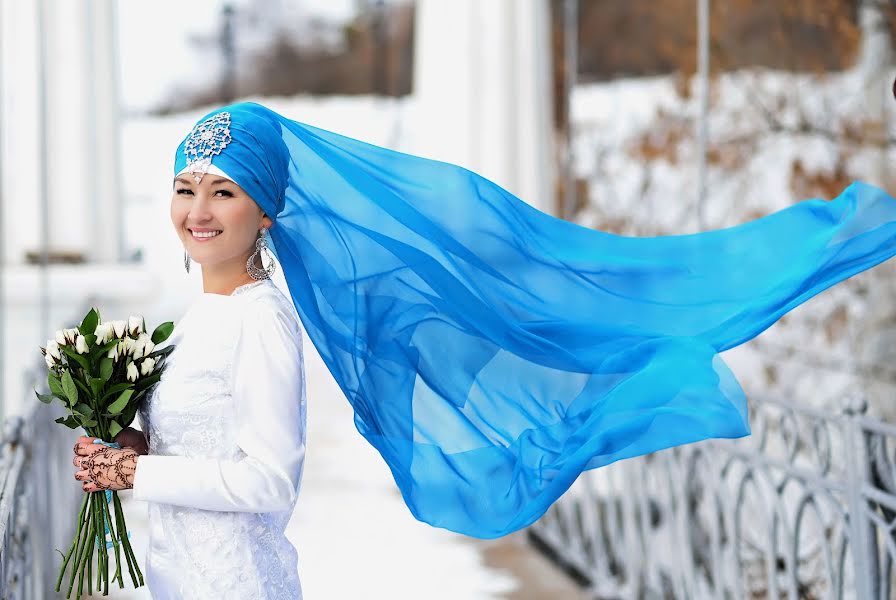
[
  {"x": 53, "y": 349},
  {"x": 137, "y": 348},
  {"x": 103, "y": 333},
  {"x": 124, "y": 347},
  {"x": 145, "y": 341},
  {"x": 132, "y": 372},
  {"x": 60, "y": 336},
  {"x": 81, "y": 345},
  {"x": 70, "y": 335},
  {"x": 147, "y": 366},
  {"x": 113, "y": 352},
  {"x": 135, "y": 324},
  {"x": 119, "y": 326},
  {"x": 51, "y": 362}
]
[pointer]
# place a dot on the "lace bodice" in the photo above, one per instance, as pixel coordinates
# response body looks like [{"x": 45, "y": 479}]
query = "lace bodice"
[{"x": 226, "y": 429}]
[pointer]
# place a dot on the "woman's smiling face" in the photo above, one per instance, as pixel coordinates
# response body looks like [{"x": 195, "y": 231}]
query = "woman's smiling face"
[{"x": 216, "y": 204}]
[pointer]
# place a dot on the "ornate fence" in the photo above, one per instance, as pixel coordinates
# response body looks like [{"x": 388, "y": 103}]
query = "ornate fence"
[{"x": 804, "y": 508}]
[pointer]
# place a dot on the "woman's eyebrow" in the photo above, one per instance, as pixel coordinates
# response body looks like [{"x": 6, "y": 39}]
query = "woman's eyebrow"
[{"x": 215, "y": 182}]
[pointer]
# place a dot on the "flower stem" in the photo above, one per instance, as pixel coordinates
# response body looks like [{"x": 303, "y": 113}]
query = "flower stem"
[
  {"x": 91, "y": 547},
  {"x": 97, "y": 526},
  {"x": 116, "y": 533},
  {"x": 74, "y": 543},
  {"x": 90, "y": 576},
  {"x": 102, "y": 553},
  {"x": 81, "y": 552},
  {"x": 126, "y": 542}
]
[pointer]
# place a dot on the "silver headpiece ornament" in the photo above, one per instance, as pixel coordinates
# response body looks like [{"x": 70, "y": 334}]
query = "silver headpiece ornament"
[{"x": 206, "y": 140}]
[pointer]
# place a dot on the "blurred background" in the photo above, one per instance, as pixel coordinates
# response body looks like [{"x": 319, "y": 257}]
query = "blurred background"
[{"x": 629, "y": 116}]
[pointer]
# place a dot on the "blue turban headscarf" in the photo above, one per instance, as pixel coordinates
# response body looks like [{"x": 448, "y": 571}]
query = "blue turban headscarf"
[{"x": 493, "y": 352}]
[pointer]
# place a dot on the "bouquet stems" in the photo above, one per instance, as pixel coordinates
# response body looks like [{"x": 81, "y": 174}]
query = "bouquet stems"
[
  {"x": 74, "y": 544},
  {"x": 95, "y": 520},
  {"x": 128, "y": 551}
]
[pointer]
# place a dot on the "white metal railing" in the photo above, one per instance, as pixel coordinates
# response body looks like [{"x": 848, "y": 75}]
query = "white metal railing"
[
  {"x": 805, "y": 507},
  {"x": 38, "y": 499}
]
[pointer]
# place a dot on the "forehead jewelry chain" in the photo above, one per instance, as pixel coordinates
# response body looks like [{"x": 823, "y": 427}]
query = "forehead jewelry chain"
[{"x": 206, "y": 140}]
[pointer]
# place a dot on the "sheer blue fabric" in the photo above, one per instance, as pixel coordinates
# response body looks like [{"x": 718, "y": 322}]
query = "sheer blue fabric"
[{"x": 492, "y": 352}]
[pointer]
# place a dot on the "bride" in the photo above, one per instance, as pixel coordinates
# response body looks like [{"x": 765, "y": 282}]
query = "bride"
[{"x": 226, "y": 423}]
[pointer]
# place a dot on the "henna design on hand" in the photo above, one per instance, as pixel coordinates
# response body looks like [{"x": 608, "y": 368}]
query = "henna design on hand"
[{"x": 111, "y": 468}]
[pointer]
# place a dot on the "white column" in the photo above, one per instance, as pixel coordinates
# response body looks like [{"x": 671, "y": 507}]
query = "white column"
[
  {"x": 82, "y": 174},
  {"x": 20, "y": 144},
  {"x": 482, "y": 92},
  {"x": 68, "y": 172},
  {"x": 106, "y": 239}
]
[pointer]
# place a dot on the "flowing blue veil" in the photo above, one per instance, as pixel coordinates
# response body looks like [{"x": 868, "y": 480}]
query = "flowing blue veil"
[{"x": 492, "y": 352}]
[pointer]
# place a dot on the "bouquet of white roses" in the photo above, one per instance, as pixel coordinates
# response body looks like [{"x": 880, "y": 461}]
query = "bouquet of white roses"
[{"x": 100, "y": 371}]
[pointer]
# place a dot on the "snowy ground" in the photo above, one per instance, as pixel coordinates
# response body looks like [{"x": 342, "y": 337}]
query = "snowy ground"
[{"x": 354, "y": 535}]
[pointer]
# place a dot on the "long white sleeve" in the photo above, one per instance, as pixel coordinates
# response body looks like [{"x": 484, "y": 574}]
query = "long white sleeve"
[{"x": 269, "y": 395}]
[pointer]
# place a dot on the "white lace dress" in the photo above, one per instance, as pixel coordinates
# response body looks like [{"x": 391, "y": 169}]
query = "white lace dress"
[{"x": 226, "y": 429}]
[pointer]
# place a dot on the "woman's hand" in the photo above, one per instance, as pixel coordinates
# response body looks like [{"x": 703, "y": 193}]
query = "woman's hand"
[
  {"x": 132, "y": 438},
  {"x": 104, "y": 468}
]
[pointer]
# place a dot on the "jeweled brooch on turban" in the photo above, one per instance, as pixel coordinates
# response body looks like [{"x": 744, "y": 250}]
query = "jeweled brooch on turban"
[{"x": 206, "y": 140}]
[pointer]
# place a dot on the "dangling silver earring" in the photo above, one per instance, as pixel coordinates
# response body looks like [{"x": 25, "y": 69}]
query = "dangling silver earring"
[
  {"x": 186, "y": 261},
  {"x": 264, "y": 272}
]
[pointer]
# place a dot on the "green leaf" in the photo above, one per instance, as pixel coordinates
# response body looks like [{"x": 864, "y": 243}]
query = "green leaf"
[
  {"x": 69, "y": 422},
  {"x": 96, "y": 385},
  {"x": 83, "y": 409},
  {"x": 69, "y": 388},
  {"x": 45, "y": 398},
  {"x": 55, "y": 384},
  {"x": 147, "y": 381},
  {"x": 162, "y": 352},
  {"x": 90, "y": 339},
  {"x": 116, "y": 388},
  {"x": 109, "y": 345},
  {"x": 88, "y": 423},
  {"x": 83, "y": 387},
  {"x": 161, "y": 333},
  {"x": 120, "y": 403},
  {"x": 76, "y": 357},
  {"x": 102, "y": 350},
  {"x": 88, "y": 325},
  {"x": 106, "y": 367},
  {"x": 114, "y": 429},
  {"x": 128, "y": 415}
]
